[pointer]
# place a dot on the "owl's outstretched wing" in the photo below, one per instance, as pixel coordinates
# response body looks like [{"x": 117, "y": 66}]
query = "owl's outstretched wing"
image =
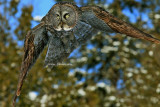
[
  {"x": 35, "y": 41},
  {"x": 102, "y": 20}
]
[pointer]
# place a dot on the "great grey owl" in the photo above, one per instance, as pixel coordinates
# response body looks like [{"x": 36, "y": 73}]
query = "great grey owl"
[{"x": 65, "y": 27}]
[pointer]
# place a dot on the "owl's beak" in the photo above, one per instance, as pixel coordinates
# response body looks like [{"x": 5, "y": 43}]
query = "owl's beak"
[{"x": 62, "y": 25}]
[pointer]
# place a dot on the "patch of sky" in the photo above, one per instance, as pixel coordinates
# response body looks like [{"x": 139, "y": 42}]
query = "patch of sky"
[
  {"x": 109, "y": 1},
  {"x": 136, "y": 14},
  {"x": 34, "y": 23},
  {"x": 7, "y": 16},
  {"x": 20, "y": 43},
  {"x": 120, "y": 84},
  {"x": 157, "y": 8},
  {"x": 138, "y": 0},
  {"x": 38, "y": 10},
  {"x": 121, "y": 73},
  {"x": 41, "y": 9},
  {"x": 13, "y": 20},
  {"x": 112, "y": 34},
  {"x": 81, "y": 80},
  {"x": 90, "y": 55},
  {"x": 149, "y": 24},
  {"x": 22, "y": 4},
  {"x": 84, "y": 69},
  {"x": 86, "y": 2},
  {"x": 104, "y": 81},
  {"x": 126, "y": 41},
  {"x": 1, "y": 9},
  {"x": 142, "y": 51},
  {"x": 145, "y": 18},
  {"x": 138, "y": 65},
  {"x": 98, "y": 66},
  {"x": 71, "y": 72},
  {"x": 132, "y": 16},
  {"x": 80, "y": 77},
  {"x": 90, "y": 46},
  {"x": 13, "y": 23},
  {"x": 93, "y": 69},
  {"x": 75, "y": 53},
  {"x": 79, "y": 1},
  {"x": 90, "y": 70}
]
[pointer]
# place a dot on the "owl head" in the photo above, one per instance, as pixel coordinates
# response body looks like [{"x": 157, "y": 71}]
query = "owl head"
[{"x": 63, "y": 16}]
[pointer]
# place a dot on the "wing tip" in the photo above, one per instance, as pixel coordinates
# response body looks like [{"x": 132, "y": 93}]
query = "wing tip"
[
  {"x": 14, "y": 100},
  {"x": 157, "y": 41},
  {"x": 15, "y": 97},
  {"x": 152, "y": 39}
]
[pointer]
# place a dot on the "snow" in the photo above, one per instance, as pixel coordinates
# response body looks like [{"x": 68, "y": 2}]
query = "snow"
[
  {"x": 81, "y": 92},
  {"x": 116, "y": 43},
  {"x": 91, "y": 88},
  {"x": 55, "y": 86},
  {"x": 150, "y": 53},
  {"x": 157, "y": 16},
  {"x": 101, "y": 85},
  {"x": 33, "y": 95},
  {"x": 112, "y": 98},
  {"x": 37, "y": 18},
  {"x": 43, "y": 100},
  {"x": 107, "y": 49}
]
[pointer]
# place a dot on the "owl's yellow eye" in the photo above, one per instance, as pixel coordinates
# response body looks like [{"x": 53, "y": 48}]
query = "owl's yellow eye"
[
  {"x": 66, "y": 16},
  {"x": 57, "y": 16}
]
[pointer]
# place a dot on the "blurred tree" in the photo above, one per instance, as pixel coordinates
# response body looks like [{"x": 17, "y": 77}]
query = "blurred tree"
[{"x": 109, "y": 71}]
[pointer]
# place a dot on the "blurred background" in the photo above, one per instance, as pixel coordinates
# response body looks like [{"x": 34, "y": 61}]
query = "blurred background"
[{"x": 108, "y": 71}]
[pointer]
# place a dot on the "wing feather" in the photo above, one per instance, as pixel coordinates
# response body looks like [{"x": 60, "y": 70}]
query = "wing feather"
[
  {"x": 35, "y": 41},
  {"x": 114, "y": 23}
]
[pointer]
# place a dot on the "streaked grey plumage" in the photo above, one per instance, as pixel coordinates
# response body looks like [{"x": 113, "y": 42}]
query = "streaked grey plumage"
[{"x": 64, "y": 28}]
